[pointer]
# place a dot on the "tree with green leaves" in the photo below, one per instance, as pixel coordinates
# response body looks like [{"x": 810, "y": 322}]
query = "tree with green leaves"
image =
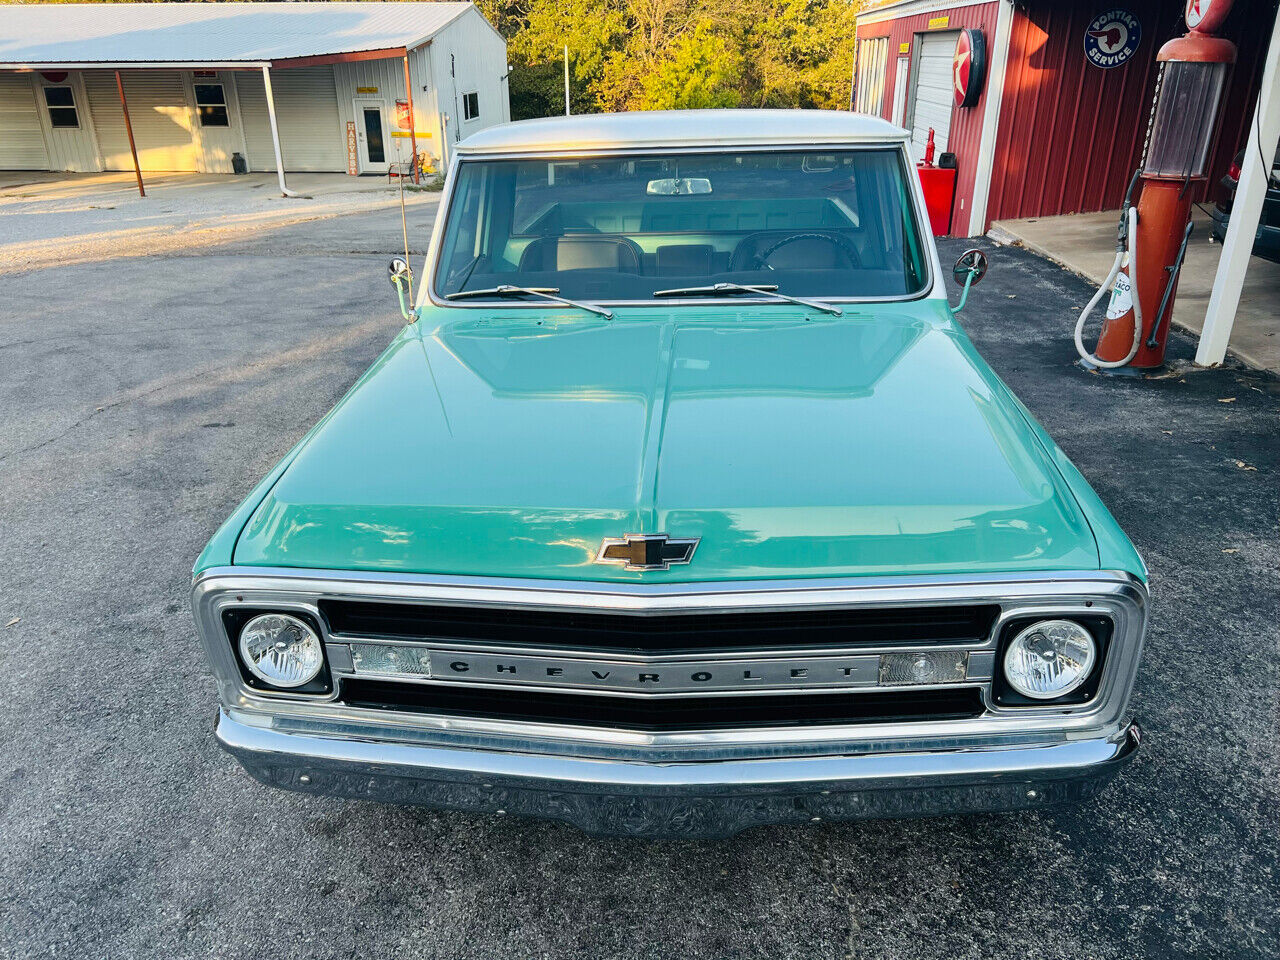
[{"x": 664, "y": 54}]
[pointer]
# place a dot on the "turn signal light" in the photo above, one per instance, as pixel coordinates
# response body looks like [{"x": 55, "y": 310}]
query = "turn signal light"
[
  {"x": 390, "y": 660},
  {"x": 923, "y": 668}
]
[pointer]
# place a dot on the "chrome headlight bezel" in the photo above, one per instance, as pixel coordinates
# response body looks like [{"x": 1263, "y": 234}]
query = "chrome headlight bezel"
[
  {"x": 1100, "y": 629},
  {"x": 237, "y": 620}
]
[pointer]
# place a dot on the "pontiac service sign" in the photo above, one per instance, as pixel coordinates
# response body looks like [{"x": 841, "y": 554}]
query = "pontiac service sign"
[{"x": 1112, "y": 38}]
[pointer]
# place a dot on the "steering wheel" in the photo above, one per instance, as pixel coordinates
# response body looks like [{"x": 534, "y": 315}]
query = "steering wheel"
[{"x": 850, "y": 254}]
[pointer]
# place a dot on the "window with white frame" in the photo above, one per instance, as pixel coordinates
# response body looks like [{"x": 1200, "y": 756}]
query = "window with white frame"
[
  {"x": 211, "y": 105},
  {"x": 470, "y": 106},
  {"x": 61, "y": 103}
]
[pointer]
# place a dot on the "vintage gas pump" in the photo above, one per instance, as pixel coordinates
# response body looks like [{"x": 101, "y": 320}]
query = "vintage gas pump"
[{"x": 1153, "y": 237}]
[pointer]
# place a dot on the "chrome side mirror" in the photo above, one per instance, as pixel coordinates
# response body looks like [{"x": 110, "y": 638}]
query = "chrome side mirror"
[
  {"x": 972, "y": 263},
  {"x": 398, "y": 271},
  {"x": 969, "y": 269},
  {"x": 401, "y": 276}
]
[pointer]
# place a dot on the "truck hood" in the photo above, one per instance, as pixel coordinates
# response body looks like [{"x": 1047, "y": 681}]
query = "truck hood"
[{"x": 792, "y": 445}]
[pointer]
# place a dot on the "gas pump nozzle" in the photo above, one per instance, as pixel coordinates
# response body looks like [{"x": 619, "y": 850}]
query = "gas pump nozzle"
[
  {"x": 1122, "y": 228},
  {"x": 1124, "y": 299}
]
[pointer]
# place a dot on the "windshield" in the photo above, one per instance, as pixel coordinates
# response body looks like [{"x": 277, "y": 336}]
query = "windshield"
[{"x": 805, "y": 223}]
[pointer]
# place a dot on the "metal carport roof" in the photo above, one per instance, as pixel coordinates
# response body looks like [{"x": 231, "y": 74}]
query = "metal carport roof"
[
  {"x": 64, "y": 34},
  {"x": 223, "y": 35}
]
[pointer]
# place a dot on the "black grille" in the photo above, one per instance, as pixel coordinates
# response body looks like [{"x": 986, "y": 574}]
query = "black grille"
[
  {"x": 650, "y": 633},
  {"x": 668, "y": 714}
]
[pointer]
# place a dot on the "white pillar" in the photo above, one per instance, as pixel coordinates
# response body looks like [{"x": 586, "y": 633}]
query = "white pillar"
[
  {"x": 275, "y": 132},
  {"x": 997, "y": 61},
  {"x": 1246, "y": 210}
]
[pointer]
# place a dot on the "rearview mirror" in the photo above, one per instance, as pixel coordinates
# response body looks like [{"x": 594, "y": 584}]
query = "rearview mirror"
[
  {"x": 969, "y": 269},
  {"x": 398, "y": 270},
  {"x": 972, "y": 262},
  {"x": 401, "y": 276},
  {"x": 678, "y": 186}
]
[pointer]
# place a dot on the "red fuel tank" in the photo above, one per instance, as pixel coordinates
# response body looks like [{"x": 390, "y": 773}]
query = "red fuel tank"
[{"x": 939, "y": 184}]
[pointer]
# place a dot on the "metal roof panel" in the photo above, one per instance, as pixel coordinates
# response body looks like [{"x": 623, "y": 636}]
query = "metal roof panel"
[
  {"x": 672, "y": 128},
  {"x": 211, "y": 32}
]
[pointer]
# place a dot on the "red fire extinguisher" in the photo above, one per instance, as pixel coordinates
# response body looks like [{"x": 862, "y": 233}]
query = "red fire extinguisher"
[{"x": 1152, "y": 237}]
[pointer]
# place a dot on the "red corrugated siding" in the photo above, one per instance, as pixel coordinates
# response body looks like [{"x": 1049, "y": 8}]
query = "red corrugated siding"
[
  {"x": 1070, "y": 134},
  {"x": 966, "y": 123}
]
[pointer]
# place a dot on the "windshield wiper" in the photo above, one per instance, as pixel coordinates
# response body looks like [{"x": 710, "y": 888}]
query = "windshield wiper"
[
  {"x": 547, "y": 293},
  {"x": 769, "y": 290}
]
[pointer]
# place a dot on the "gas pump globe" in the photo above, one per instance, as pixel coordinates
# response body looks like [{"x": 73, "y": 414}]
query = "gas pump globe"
[{"x": 1184, "y": 120}]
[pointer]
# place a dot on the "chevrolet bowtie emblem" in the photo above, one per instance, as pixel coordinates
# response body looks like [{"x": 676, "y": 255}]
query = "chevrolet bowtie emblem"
[{"x": 646, "y": 551}]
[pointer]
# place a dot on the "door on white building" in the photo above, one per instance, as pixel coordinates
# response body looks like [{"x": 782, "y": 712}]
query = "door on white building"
[
  {"x": 372, "y": 136},
  {"x": 22, "y": 143},
  {"x": 931, "y": 98},
  {"x": 217, "y": 125},
  {"x": 159, "y": 112}
]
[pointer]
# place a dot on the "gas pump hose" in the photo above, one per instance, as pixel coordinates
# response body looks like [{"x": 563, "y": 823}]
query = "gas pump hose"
[{"x": 1132, "y": 239}]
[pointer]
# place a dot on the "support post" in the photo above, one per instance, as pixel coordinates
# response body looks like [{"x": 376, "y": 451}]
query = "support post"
[
  {"x": 1246, "y": 210},
  {"x": 128, "y": 127},
  {"x": 275, "y": 132},
  {"x": 566, "y": 80},
  {"x": 413, "y": 119}
]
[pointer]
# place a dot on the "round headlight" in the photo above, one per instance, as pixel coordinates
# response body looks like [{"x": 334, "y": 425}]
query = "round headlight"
[
  {"x": 1049, "y": 659},
  {"x": 281, "y": 650}
]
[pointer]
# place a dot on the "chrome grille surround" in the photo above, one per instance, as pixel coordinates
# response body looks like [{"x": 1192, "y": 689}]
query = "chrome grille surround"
[{"x": 1115, "y": 594}]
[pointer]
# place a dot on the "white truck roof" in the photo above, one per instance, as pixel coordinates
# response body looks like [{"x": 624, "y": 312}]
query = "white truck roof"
[{"x": 682, "y": 128}]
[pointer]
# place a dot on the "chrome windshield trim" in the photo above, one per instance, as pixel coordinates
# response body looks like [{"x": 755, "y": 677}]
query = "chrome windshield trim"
[
  {"x": 1114, "y": 593},
  {"x": 933, "y": 287}
]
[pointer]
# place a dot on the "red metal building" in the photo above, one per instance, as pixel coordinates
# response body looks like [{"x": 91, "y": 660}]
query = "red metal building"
[{"x": 1060, "y": 117}]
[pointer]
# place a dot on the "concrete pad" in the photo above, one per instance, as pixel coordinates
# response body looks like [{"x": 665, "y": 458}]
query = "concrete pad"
[
  {"x": 48, "y": 218},
  {"x": 1085, "y": 244}
]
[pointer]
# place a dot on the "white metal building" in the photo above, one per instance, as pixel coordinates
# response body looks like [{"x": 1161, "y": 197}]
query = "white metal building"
[{"x": 197, "y": 83}]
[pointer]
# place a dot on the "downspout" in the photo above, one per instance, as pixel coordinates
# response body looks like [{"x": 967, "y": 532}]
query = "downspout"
[{"x": 275, "y": 132}]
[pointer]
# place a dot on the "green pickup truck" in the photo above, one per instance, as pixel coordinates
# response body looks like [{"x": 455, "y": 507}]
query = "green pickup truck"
[{"x": 681, "y": 504}]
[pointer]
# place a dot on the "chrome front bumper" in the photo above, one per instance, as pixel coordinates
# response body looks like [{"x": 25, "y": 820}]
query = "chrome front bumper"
[{"x": 685, "y": 798}]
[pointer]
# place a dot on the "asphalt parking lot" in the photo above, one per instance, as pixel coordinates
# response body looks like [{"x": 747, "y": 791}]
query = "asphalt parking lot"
[{"x": 144, "y": 397}]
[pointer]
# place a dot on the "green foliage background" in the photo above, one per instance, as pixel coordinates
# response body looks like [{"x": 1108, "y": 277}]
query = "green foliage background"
[
  {"x": 666, "y": 54},
  {"x": 670, "y": 54}
]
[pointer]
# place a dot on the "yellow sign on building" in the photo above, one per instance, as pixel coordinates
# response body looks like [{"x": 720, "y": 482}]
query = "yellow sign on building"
[{"x": 937, "y": 23}]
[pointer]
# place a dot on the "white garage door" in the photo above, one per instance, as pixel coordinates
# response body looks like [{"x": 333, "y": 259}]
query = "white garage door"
[
  {"x": 21, "y": 143},
  {"x": 933, "y": 98},
  {"x": 158, "y": 111},
  {"x": 312, "y": 135}
]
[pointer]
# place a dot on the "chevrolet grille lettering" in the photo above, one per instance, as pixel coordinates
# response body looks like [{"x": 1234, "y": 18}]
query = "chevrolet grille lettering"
[{"x": 671, "y": 674}]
